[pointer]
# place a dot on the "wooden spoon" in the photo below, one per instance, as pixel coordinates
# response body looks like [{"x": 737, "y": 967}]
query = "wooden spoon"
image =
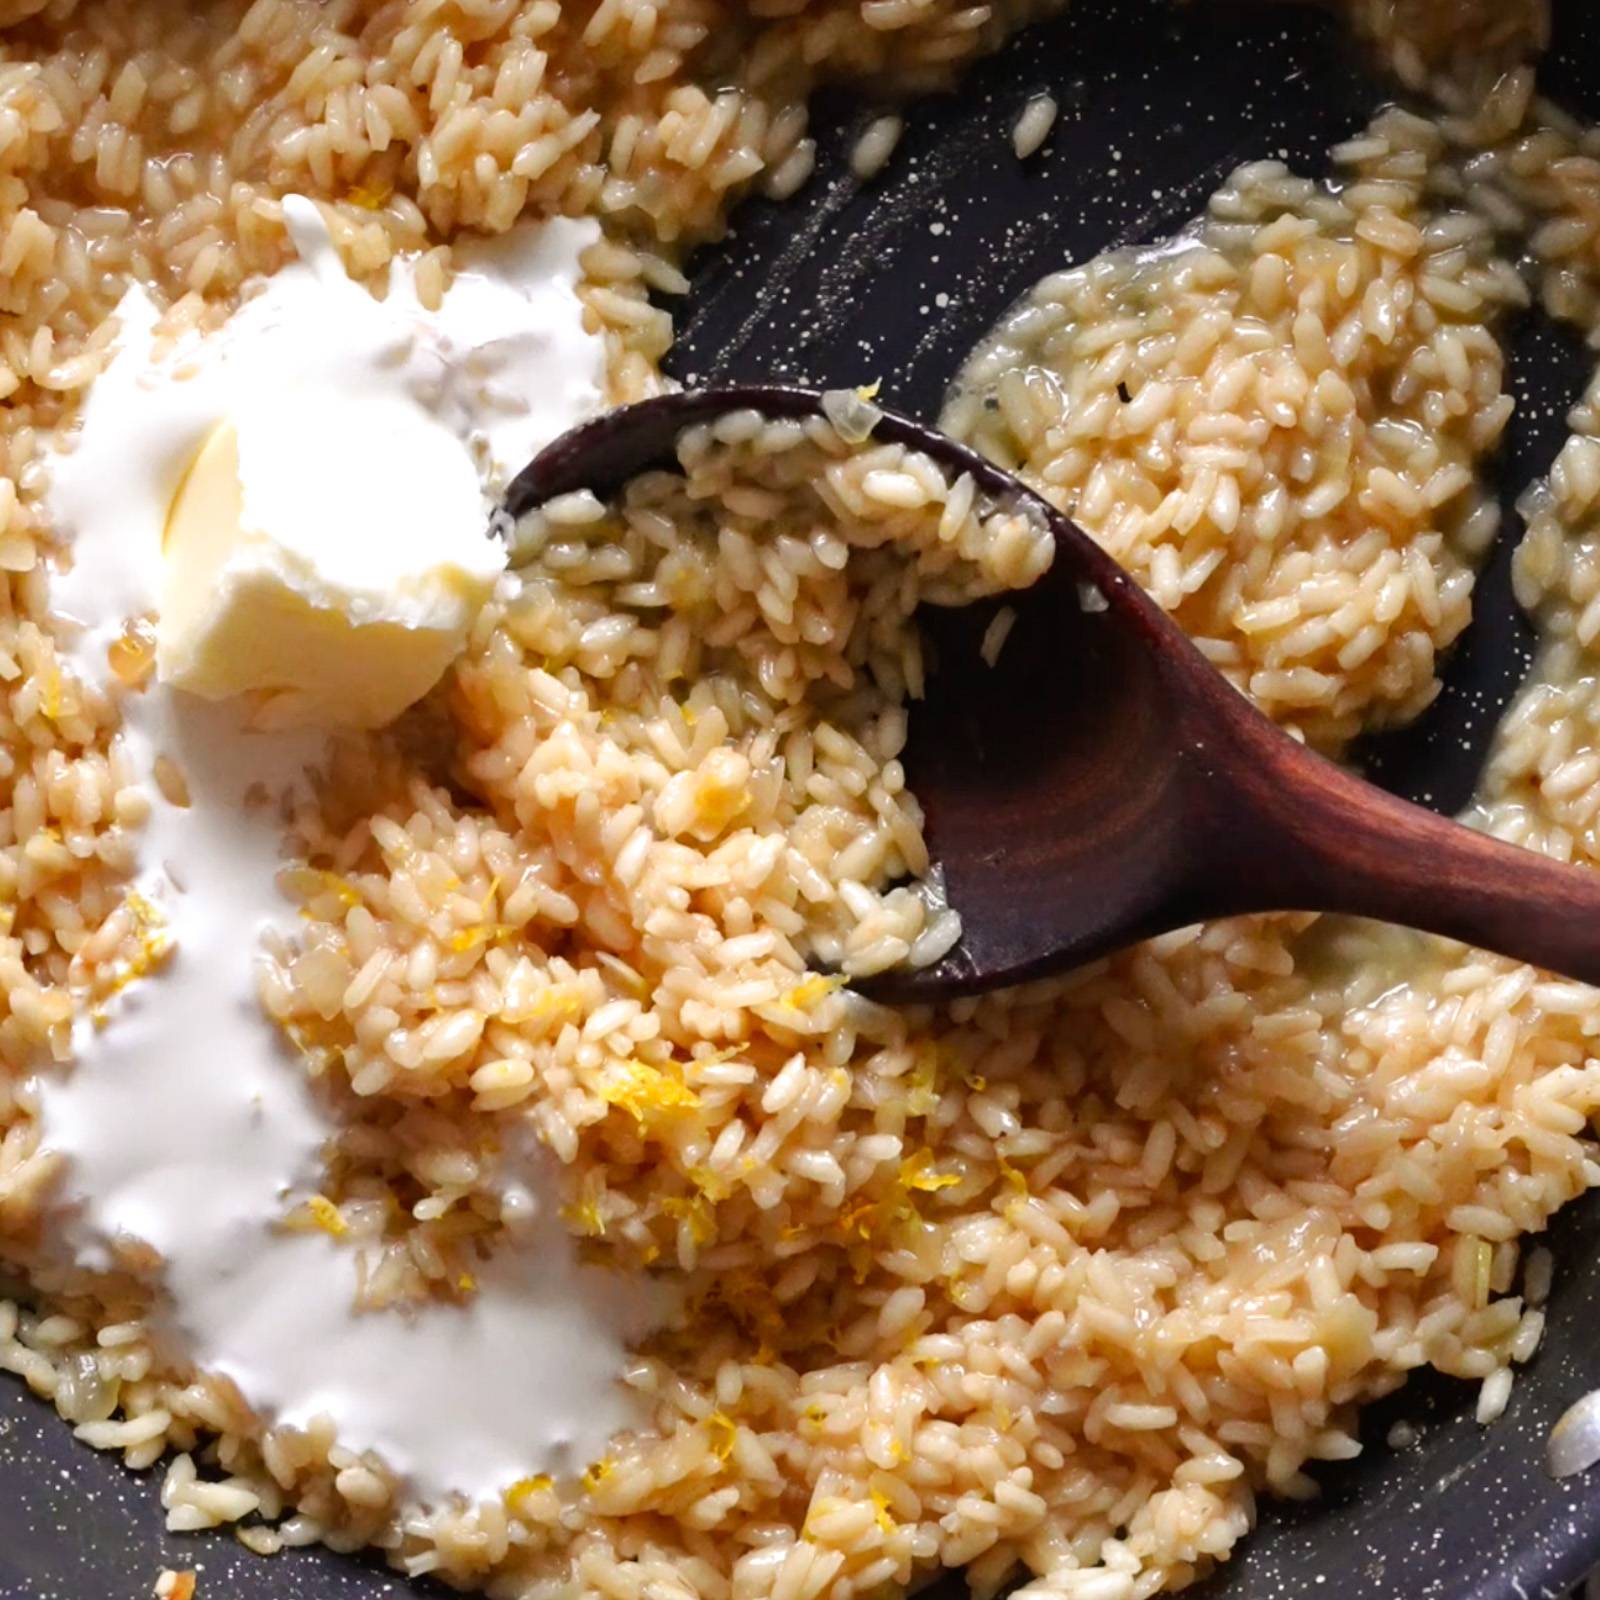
[{"x": 1102, "y": 783}]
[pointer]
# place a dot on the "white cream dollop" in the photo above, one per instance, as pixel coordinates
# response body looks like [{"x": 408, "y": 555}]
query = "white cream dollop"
[{"x": 185, "y": 1119}]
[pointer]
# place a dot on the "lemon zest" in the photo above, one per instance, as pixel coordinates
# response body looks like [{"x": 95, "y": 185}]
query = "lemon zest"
[
  {"x": 809, "y": 991},
  {"x": 587, "y": 1218},
  {"x": 723, "y": 1430},
  {"x": 464, "y": 939},
  {"x": 711, "y": 1184},
  {"x": 340, "y": 887},
  {"x": 917, "y": 1173},
  {"x": 50, "y": 702},
  {"x": 880, "y": 1506},
  {"x": 695, "y": 1213},
  {"x": 718, "y": 805},
  {"x": 638, "y": 1088},
  {"x": 860, "y": 1217},
  {"x": 317, "y": 1214},
  {"x": 525, "y": 1488},
  {"x": 585, "y": 1214},
  {"x": 922, "y": 1083},
  {"x": 153, "y": 942},
  {"x": 556, "y": 1000}
]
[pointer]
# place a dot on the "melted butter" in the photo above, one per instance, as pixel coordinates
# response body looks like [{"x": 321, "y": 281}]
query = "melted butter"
[{"x": 185, "y": 1118}]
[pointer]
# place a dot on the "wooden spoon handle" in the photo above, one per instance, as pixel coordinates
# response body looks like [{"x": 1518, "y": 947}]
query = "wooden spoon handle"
[{"x": 1306, "y": 835}]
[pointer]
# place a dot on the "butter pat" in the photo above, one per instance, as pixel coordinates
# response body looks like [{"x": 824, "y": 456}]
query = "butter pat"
[{"x": 324, "y": 557}]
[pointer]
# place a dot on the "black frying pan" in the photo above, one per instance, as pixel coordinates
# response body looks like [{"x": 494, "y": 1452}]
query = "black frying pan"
[{"x": 839, "y": 285}]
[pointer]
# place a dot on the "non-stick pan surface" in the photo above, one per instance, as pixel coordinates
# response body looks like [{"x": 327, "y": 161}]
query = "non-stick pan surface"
[{"x": 895, "y": 280}]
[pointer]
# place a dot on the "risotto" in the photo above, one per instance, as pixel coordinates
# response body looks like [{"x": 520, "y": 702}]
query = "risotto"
[{"x": 1048, "y": 1285}]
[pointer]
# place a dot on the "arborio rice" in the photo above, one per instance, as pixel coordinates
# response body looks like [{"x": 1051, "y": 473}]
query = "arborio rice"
[{"x": 1051, "y": 1283}]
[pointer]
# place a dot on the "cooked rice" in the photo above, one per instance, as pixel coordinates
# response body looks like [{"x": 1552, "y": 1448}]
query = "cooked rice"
[
  {"x": 1053, "y": 1282},
  {"x": 875, "y": 144},
  {"x": 1275, "y": 422},
  {"x": 685, "y": 726},
  {"x": 1034, "y": 125}
]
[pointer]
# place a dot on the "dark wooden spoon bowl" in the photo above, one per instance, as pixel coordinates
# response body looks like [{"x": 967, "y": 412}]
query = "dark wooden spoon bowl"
[{"x": 1102, "y": 783}]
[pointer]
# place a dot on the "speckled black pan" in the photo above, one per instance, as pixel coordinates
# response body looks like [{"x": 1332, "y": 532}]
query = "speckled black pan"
[{"x": 895, "y": 280}]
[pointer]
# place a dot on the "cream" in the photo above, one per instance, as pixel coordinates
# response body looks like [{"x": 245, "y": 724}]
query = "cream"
[{"x": 185, "y": 1119}]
